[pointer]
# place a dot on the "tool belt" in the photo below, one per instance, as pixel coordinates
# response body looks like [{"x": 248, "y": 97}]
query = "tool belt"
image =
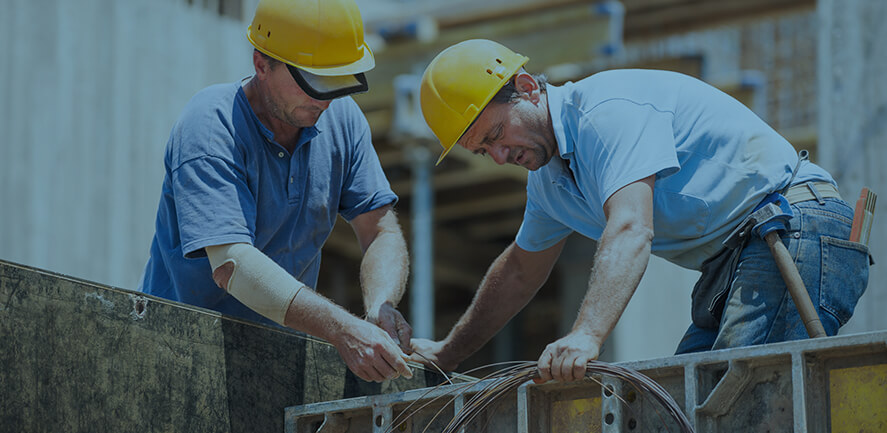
[{"x": 711, "y": 290}]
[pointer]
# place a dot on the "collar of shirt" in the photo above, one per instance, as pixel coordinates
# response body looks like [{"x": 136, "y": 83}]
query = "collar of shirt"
[
  {"x": 307, "y": 134},
  {"x": 556, "y": 101},
  {"x": 560, "y": 168}
]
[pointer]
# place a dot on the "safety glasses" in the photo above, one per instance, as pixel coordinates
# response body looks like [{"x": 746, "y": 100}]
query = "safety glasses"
[{"x": 325, "y": 88}]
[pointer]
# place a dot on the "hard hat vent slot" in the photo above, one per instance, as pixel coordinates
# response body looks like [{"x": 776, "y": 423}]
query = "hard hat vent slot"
[
  {"x": 489, "y": 71},
  {"x": 269, "y": 33},
  {"x": 499, "y": 61}
]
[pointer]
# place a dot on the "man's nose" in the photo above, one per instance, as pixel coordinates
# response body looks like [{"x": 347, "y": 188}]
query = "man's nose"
[{"x": 499, "y": 153}]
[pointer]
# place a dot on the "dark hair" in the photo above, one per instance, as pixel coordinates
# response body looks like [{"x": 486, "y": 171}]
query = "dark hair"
[
  {"x": 508, "y": 92},
  {"x": 271, "y": 60}
]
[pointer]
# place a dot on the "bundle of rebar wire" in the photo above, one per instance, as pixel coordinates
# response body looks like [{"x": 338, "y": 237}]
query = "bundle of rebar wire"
[{"x": 506, "y": 380}]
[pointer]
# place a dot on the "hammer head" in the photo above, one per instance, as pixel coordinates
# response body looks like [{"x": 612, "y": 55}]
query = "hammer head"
[{"x": 772, "y": 214}]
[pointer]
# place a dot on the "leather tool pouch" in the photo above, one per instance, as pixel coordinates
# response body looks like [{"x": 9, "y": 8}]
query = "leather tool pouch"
[{"x": 710, "y": 292}]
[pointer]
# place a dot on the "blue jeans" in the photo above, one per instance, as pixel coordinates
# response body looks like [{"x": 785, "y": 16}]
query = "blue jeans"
[{"x": 759, "y": 308}]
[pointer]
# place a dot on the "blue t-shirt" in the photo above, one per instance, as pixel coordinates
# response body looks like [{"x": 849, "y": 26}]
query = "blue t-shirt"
[
  {"x": 228, "y": 181},
  {"x": 713, "y": 158}
]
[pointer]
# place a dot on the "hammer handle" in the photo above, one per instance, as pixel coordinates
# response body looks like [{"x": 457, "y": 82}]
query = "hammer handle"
[{"x": 795, "y": 285}]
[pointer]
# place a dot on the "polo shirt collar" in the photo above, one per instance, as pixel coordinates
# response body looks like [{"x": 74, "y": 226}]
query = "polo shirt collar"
[
  {"x": 556, "y": 100},
  {"x": 307, "y": 134}
]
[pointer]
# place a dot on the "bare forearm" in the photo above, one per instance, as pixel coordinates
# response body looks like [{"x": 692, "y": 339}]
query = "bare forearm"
[
  {"x": 510, "y": 283},
  {"x": 490, "y": 310},
  {"x": 619, "y": 264},
  {"x": 367, "y": 350},
  {"x": 384, "y": 269},
  {"x": 314, "y": 314}
]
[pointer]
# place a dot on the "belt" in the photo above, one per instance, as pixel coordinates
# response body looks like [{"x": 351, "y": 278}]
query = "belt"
[
  {"x": 818, "y": 191},
  {"x": 812, "y": 191}
]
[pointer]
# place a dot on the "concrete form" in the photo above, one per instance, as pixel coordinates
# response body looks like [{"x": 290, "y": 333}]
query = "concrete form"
[{"x": 76, "y": 356}]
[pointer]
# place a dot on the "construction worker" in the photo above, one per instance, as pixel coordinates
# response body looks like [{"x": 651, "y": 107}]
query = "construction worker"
[
  {"x": 641, "y": 161},
  {"x": 257, "y": 172}
]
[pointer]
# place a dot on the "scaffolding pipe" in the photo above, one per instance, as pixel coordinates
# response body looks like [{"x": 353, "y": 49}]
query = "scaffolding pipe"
[
  {"x": 409, "y": 129},
  {"x": 422, "y": 287}
]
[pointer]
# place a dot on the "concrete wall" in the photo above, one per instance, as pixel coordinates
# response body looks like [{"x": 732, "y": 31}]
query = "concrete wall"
[
  {"x": 90, "y": 90},
  {"x": 853, "y": 125},
  {"x": 780, "y": 49},
  {"x": 81, "y": 357}
]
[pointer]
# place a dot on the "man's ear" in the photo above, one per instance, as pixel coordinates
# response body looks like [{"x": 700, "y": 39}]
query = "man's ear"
[
  {"x": 527, "y": 85},
  {"x": 260, "y": 63}
]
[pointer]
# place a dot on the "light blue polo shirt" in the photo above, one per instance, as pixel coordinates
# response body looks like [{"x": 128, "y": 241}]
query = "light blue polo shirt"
[
  {"x": 713, "y": 158},
  {"x": 227, "y": 181}
]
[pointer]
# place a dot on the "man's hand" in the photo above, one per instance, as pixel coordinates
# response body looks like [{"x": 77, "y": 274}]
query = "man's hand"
[
  {"x": 431, "y": 354},
  {"x": 389, "y": 319},
  {"x": 371, "y": 354},
  {"x": 566, "y": 359}
]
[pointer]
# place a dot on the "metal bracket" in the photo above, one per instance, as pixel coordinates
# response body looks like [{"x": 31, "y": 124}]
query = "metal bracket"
[
  {"x": 727, "y": 391},
  {"x": 334, "y": 422}
]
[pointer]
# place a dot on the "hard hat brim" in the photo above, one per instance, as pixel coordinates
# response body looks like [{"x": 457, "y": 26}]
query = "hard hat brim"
[
  {"x": 444, "y": 153},
  {"x": 363, "y": 64},
  {"x": 325, "y": 88}
]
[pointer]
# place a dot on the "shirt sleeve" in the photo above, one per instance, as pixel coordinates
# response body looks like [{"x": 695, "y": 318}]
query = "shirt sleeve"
[
  {"x": 213, "y": 204},
  {"x": 625, "y": 142},
  {"x": 365, "y": 186},
  {"x": 539, "y": 231}
]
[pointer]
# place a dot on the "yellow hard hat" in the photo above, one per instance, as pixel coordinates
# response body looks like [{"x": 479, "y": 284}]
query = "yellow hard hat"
[
  {"x": 323, "y": 38},
  {"x": 458, "y": 84}
]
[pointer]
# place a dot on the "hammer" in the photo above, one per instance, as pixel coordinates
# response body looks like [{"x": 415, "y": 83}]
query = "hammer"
[{"x": 767, "y": 221}]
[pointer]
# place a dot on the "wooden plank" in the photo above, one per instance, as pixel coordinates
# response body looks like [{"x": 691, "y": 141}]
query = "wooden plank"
[
  {"x": 494, "y": 229},
  {"x": 463, "y": 178},
  {"x": 648, "y": 17},
  {"x": 458, "y": 260},
  {"x": 482, "y": 205}
]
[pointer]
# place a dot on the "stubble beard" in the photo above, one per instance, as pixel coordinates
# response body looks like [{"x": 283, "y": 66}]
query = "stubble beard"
[
  {"x": 298, "y": 118},
  {"x": 301, "y": 118},
  {"x": 543, "y": 151}
]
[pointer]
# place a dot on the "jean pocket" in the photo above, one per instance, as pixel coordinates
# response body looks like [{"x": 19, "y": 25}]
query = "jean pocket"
[{"x": 845, "y": 275}]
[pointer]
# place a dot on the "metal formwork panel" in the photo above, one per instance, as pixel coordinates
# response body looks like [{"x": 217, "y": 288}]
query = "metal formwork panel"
[
  {"x": 857, "y": 396},
  {"x": 817, "y": 385}
]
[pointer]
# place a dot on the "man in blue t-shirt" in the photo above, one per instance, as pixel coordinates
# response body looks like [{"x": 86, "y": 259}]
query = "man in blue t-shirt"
[
  {"x": 642, "y": 162},
  {"x": 257, "y": 172}
]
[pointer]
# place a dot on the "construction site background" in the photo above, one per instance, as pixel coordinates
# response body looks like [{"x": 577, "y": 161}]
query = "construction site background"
[{"x": 91, "y": 89}]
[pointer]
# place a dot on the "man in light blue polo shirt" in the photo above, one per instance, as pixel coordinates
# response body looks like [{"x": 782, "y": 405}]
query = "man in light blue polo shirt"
[
  {"x": 257, "y": 172},
  {"x": 643, "y": 162}
]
